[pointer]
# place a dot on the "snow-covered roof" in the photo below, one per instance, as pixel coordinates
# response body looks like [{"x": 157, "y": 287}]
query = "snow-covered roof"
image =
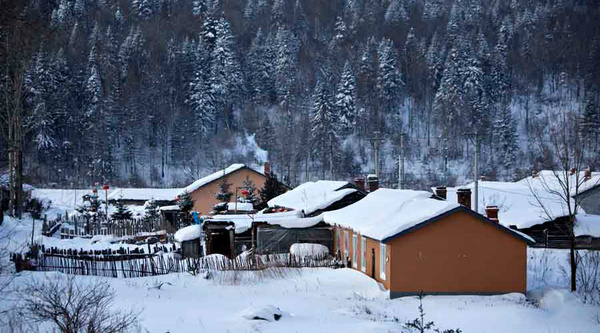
[
  {"x": 291, "y": 219},
  {"x": 312, "y": 196},
  {"x": 588, "y": 225},
  {"x": 386, "y": 212},
  {"x": 212, "y": 177},
  {"x": 162, "y": 194},
  {"x": 188, "y": 233},
  {"x": 548, "y": 179},
  {"x": 172, "y": 207},
  {"x": 240, "y": 206},
  {"x": 517, "y": 201}
]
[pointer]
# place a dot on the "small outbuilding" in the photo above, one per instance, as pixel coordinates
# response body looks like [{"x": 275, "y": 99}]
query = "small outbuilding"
[{"x": 412, "y": 243}]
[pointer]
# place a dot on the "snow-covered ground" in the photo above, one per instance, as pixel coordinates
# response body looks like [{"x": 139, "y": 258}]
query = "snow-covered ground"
[{"x": 328, "y": 300}]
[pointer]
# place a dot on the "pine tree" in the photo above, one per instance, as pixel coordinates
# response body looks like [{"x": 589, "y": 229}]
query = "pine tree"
[
  {"x": 589, "y": 125},
  {"x": 225, "y": 76},
  {"x": 151, "y": 214},
  {"x": 286, "y": 64},
  {"x": 323, "y": 128},
  {"x": 345, "y": 99},
  {"x": 224, "y": 194},
  {"x": 122, "y": 212},
  {"x": 265, "y": 137},
  {"x": 185, "y": 202},
  {"x": 396, "y": 14},
  {"x": 251, "y": 197},
  {"x": 389, "y": 83},
  {"x": 271, "y": 189},
  {"x": 506, "y": 139}
]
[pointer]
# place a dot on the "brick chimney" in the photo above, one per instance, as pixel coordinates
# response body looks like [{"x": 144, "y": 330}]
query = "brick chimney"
[
  {"x": 587, "y": 174},
  {"x": 573, "y": 171},
  {"x": 441, "y": 192},
  {"x": 464, "y": 197},
  {"x": 492, "y": 213},
  {"x": 267, "y": 168},
  {"x": 360, "y": 182},
  {"x": 372, "y": 183}
]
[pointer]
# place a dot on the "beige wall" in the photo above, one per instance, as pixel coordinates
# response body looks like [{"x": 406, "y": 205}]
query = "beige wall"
[
  {"x": 457, "y": 254},
  {"x": 371, "y": 245},
  {"x": 204, "y": 199}
]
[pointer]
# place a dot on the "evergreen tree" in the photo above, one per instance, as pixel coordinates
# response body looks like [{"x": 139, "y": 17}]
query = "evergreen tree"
[
  {"x": 185, "y": 202},
  {"x": 122, "y": 212},
  {"x": 345, "y": 99},
  {"x": 506, "y": 137},
  {"x": 389, "y": 83},
  {"x": 396, "y": 14},
  {"x": 252, "y": 196},
  {"x": 589, "y": 125},
  {"x": 224, "y": 194},
  {"x": 151, "y": 214},
  {"x": 272, "y": 188},
  {"x": 323, "y": 128}
]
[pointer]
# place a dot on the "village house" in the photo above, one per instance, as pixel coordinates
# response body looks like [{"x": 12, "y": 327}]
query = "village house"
[
  {"x": 203, "y": 190},
  {"x": 536, "y": 207},
  {"x": 292, "y": 217},
  {"x": 412, "y": 242}
]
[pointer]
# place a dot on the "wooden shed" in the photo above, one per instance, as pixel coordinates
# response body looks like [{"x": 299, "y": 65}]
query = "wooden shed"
[{"x": 412, "y": 243}]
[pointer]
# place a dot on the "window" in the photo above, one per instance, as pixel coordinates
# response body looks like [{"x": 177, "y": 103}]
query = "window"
[
  {"x": 346, "y": 245},
  {"x": 382, "y": 261},
  {"x": 363, "y": 257},
  {"x": 355, "y": 251}
]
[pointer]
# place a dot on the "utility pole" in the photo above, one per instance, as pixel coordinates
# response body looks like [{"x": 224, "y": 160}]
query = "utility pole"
[
  {"x": 401, "y": 179},
  {"x": 375, "y": 140}
]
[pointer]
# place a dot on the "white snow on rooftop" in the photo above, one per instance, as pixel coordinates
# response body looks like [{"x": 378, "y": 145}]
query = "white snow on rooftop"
[
  {"x": 386, "y": 212},
  {"x": 548, "y": 179},
  {"x": 291, "y": 219},
  {"x": 240, "y": 206},
  {"x": 166, "y": 194},
  {"x": 312, "y": 196},
  {"x": 188, "y": 233},
  {"x": 212, "y": 177},
  {"x": 517, "y": 201}
]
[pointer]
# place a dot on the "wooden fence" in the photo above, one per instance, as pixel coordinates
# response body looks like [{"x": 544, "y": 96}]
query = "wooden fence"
[
  {"x": 80, "y": 225},
  {"x": 140, "y": 265}
]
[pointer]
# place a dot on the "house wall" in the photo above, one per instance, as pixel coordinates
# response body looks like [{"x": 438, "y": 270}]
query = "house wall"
[
  {"x": 371, "y": 245},
  {"x": 204, "y": 199},
  {"x": 590, "y": 201},
  {"x": 458, "y": 254}
]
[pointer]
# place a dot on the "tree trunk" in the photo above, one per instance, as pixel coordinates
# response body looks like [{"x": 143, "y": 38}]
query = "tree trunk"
[{"x": 572, "y": 255}]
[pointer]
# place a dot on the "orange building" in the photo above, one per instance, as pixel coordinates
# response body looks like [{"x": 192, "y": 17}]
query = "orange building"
[
  {"x": 203, "y": 190},
  {"x": 412, "y": 243}
]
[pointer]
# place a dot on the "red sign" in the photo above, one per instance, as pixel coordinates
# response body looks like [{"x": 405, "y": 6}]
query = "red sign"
[
  {"x": 105, "y": 187},
  {"x": 245, "y": 192}
]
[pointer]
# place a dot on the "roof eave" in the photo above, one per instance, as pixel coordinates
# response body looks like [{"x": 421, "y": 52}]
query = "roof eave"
[{"x": 452, "y": 211}]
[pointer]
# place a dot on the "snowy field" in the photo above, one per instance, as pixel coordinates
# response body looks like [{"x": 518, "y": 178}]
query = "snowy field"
[{"x": 336, "y": 300}]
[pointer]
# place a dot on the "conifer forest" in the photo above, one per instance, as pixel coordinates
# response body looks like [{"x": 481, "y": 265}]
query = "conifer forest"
[{"x": 160, "y": 92}]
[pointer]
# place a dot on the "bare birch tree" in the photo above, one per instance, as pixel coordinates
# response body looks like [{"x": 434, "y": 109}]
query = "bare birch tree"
[
  {"x": 565, "y": 182},
  {"x": 75, "y": 307}
]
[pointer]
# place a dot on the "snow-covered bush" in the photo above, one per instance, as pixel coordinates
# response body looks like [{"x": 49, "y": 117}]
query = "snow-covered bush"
[
  {"x": 73, "y": 307},
  {"x": 588, "y": 276}
]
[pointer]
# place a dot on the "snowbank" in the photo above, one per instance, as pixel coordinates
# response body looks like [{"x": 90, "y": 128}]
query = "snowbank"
[
  {"x": 309, "y": 250},
  {"x": 268, "y": 313},
  {"x": 188, "y": 233},
  {"x": 312, "y": 196}
]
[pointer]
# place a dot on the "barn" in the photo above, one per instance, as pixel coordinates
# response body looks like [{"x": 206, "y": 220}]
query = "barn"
[{"x": 412, "y": 242}]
